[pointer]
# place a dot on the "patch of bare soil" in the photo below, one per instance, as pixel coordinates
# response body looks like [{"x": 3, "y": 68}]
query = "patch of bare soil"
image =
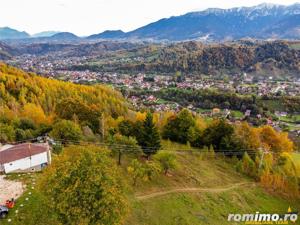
[{"x": 9, "y": 189}]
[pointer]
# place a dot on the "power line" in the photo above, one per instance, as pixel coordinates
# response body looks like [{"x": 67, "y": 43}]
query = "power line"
[
  {"x": 129, "y": 148},
  {"x": 124, "y": 145}
]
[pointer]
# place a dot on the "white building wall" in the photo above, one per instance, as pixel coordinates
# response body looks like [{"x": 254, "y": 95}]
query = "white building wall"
[
  {"x": 39, "y": 159},
  {"x": 26, "y": 163}
]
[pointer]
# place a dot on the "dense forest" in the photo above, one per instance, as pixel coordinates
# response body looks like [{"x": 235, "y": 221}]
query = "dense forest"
[
  {"x": 28, "y": 101},
  {"x": 195, "y": 57},
  {"x": 65, "y": 49}
]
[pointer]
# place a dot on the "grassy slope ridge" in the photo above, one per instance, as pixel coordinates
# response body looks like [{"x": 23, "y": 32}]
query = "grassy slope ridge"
[
  {"x": 204, "y": 207},
  {"x": 178, "y": 208}
]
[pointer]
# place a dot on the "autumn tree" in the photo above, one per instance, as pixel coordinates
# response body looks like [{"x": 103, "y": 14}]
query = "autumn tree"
[
  {"x": 167, "y": 161},
  {"x": 66, "y": 131},
  {"x": 7, "y": 133},
  {"x": 136, "y": 170},
  {"x": 83, "y": 186},
  {"x": 71, "y": 108},
  {"x": 143, "y": 171},
  {"x": 277, "y": 142},
  {"x": 35, "y": 113},
  {"x": 246, "y": 138},
  {"x": 248, "y": 165}
]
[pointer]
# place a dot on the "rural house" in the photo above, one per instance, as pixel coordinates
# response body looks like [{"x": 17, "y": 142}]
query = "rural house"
[{"x": 25, "y": 157}]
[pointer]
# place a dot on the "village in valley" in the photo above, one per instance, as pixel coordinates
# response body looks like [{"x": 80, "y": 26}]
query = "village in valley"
[{"x": 143, "y": 89}]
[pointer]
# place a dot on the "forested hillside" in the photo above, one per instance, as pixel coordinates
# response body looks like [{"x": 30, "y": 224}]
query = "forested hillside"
[
  {"x": 41, "y": 101},
  {"x": 196, "y": 57}
]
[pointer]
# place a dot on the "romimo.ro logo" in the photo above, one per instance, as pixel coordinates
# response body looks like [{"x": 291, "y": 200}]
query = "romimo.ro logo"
[{"x": 263, "y": 218}]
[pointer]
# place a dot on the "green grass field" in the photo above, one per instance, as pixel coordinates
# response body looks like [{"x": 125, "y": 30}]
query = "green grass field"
[
  {"x": 205, "y": 208},
  {"x": 202, "y": 207}
]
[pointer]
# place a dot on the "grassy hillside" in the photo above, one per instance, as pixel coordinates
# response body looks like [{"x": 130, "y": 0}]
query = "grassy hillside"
[
  {"x": 206, "y": 208},
  {"x": 221, "y": 191},
  {"x": 218, "y": 190}
]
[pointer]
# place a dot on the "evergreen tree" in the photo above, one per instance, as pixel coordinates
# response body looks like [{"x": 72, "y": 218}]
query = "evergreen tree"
[{"x": 149, "y": 138}]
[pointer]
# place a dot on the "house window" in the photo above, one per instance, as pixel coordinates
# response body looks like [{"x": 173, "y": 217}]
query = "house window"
[{"x": 10, "y": 164}]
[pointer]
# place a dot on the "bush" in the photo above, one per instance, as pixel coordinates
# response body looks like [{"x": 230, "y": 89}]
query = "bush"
[
  {"x": 167, "y": 161},
  {"x": 7, "y": 133},
  {"x": 66, "y": 131},
  {"x": 143, "y": 171}
]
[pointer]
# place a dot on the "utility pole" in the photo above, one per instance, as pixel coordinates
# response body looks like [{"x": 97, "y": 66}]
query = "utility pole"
[
  {"x": 262, "y": 157},
  {"x": 102, "y": 126},
  {"x": 2, "y": 114}
]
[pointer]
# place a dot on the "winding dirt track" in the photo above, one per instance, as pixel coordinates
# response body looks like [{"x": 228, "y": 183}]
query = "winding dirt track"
[{"x": 191, "y": 190}]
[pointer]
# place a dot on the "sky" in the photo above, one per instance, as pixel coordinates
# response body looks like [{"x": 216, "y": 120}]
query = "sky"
[{"x": 85, "y": 17}]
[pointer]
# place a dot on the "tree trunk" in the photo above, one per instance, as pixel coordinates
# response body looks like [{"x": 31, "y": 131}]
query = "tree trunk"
[
  {"x": 166, "y": 172},
  {"x": 119, "y": 160}
]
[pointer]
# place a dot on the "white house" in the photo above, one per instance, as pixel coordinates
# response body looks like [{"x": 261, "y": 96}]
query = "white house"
[{"x": 26, "y": 157}]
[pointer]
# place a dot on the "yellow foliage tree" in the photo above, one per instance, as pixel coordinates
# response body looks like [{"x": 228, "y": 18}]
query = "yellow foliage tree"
[
  {"x": 274, "y": 141},
  {"x": 35, "y": 113}
]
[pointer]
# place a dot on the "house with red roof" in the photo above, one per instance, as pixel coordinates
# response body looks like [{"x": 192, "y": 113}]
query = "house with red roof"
[{"x": 26, "y": 157}]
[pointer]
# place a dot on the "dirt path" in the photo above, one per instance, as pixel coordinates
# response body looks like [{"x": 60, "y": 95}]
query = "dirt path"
[
  {"x": 189, "y": 190},
  {"x": 9, "y": 189}
]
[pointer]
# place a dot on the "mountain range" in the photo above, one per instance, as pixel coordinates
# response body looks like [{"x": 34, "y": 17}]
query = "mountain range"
[
  {"x": 264, "y": 21},
  {"x": 9, "y": 33}
]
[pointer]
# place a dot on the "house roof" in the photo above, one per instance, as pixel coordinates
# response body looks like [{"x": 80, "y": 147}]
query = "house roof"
[
  {"x": 4, "y": 147},
  {"x": 22, "y": 151}
]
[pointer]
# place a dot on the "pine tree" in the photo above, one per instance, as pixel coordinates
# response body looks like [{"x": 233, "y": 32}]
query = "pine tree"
[{"x": 150, "y": 139}]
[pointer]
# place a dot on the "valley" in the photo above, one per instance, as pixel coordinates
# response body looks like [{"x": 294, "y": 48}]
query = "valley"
[{"x": 191, "y": 118}]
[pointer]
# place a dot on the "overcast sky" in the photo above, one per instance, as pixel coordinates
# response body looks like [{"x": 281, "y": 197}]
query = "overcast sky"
[{"x": 84, "y": 17}]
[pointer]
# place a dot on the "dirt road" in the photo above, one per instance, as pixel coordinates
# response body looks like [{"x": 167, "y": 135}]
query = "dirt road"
[{"x": 189, "y": 190}]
